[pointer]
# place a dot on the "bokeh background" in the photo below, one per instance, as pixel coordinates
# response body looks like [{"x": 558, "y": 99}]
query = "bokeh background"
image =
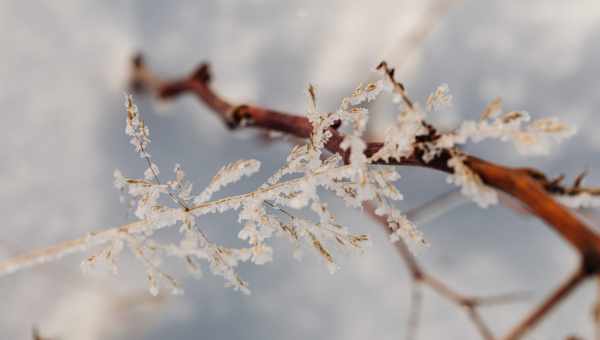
[{"x": 63, "y": 73}]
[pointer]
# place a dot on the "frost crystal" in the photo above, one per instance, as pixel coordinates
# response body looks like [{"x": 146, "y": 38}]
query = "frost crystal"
[
  {"x": 529, "y": 138},
  {"x": 228, "y": 174},
  {"x": 470, "y": 183},
  {"x": 367, "y": 93},
  {"x": 440, "y": 98},
  {"x": 399, "y": 141}
]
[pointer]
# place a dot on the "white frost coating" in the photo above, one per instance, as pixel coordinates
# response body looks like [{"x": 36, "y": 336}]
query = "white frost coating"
[
  {"x": 399, "y": 224},
  {"x": 582, "y": 200},
  {"x": 181, "y": 186},
  {"x": 528, "y": 137},
  {"x": 399, "y": 140},
  {"x": 228, "y": 174},
  {"x": 440, "y": 98},
  {"x": 263, "y": 212},
  {"x": 174, "y": 214},
  {"x": 136, "y": 129},
  {"x": 366, "y": 93},
  {"x": 471, "y": 184}
]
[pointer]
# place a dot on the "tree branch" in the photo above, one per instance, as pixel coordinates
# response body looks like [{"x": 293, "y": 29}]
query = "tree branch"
[{"x": 531, "y": 187}]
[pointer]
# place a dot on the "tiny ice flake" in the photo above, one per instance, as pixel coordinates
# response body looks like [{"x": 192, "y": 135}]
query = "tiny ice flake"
[
  {"x": 440, "y": 98},
  {"x": 119, "y": 180}
]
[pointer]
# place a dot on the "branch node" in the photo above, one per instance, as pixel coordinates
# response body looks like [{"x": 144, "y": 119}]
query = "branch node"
[
  {"x": 238, "y": 116},
  {"x": 336, "y": 124},
  {"x": 202, "y": 74},
  {"x": 590, "y": 263}
]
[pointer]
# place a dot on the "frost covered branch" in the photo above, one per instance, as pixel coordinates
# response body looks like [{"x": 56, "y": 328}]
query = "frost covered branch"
[
  {"x": 412, "y": 141},
  {"x": 335, "y": 158},
  {"x": 419, "y": 144}
]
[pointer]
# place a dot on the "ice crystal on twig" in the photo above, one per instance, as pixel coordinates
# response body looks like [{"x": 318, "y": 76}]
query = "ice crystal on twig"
[
  {"x": 228, "y": 174},
  {"x": 471, "y": 185},
  {"x": 411, "y": 135},
  {"x": 529, "y": 137},
  {"x": 441, "y": 97}
]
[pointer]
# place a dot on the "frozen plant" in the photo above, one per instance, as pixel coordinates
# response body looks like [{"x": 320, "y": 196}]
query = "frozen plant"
[
  {"x": 279, "y": 206},
  {"x": 264, "y": 213}
]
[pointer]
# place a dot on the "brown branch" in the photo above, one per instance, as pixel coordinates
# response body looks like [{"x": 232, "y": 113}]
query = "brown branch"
[
  {"x": 521, "y": 184},
  {"x": 531, "y": 187}
]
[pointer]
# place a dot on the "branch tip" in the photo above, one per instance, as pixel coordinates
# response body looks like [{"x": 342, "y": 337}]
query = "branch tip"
[
  {"x": 579, "y": 179},
  {"x": 590, "y": 263}
]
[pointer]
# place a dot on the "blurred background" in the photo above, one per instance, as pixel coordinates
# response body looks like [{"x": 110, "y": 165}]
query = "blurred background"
[{"x": 63, "y": 73}]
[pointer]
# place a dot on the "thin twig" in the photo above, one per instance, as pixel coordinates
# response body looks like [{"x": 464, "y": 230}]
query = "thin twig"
[
  {"x": 437, "y": 207},
  {"x": 54, "y": 252},
  {"x": 422, "y": 278},
  {"x": 550, "y": 302},
  {"x": 414, "y": 310}
]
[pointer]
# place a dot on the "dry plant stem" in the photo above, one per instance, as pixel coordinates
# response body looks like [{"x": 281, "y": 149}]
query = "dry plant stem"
[
  {"x": 529, "y": 186},
  {"x": 62, "y": 249}
]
